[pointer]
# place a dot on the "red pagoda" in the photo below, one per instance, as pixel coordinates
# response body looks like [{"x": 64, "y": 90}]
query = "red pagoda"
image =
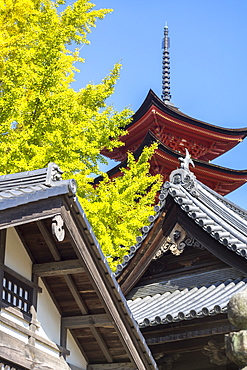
[{"x": 159, "y": 120}]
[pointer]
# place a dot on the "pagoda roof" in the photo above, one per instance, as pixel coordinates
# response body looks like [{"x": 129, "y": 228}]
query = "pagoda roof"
[
  {"x": 204, "y": 141},
  {"x": 217, "y": 224},
  {"x": 153, "y": 100},
  {"x": 221, "y": 179}
]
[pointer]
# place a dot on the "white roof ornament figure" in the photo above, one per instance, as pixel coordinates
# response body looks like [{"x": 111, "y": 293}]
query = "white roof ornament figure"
[
  {"x": 183, "y": 175},
  {"x": 186, "y": 161}
]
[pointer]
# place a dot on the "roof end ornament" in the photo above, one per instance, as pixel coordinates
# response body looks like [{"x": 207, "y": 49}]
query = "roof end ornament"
[
  {"x": 54, "y": 173},
  {"x": 186, "y": 161},
  {"x": 183, "y": 176}
]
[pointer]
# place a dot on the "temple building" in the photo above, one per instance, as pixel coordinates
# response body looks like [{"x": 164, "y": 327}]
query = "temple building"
[
  {"x": 180, "y": 275},
  {"x": 165, "y": 308},
  {"x": 191, "y": 257},
  {"x": 60, "y": 305}
]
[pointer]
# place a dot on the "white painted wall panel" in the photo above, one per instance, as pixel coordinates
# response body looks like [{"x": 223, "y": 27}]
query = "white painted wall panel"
[
  {"x": 75, "y": 357},
  {"x": 16, "y": 256},
  {"x": 48, "y": 316}
]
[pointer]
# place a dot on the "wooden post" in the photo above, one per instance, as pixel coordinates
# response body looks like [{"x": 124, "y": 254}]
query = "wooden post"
[{"x": 2, "y": 258}]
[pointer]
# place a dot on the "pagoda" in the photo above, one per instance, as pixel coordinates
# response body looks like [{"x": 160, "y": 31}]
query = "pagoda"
[{"x": 159, "y": 120}]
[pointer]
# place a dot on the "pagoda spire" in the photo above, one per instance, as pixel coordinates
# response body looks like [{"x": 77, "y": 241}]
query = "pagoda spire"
[{"x": 166, "y": 96}]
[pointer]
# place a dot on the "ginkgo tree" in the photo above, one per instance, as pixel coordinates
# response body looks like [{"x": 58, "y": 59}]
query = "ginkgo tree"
[{"x": 43, "y": 119}]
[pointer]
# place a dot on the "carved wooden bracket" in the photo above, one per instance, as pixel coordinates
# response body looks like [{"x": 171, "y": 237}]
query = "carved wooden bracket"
[
  {"x": 216, "y": 353},
  {"x": 57, "y": 228}
]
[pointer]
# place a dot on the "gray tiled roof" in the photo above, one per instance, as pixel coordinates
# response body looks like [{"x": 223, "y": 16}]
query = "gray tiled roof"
[
  {"x": 24, "y": 187},
  {"x": 220, "y": 218},
  {"x": 172, "y": 283},
  {"x": 185, "y": 304}
]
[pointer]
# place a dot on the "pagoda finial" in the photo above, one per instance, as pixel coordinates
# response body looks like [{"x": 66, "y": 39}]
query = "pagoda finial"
[{"x": 166, "y": 96}]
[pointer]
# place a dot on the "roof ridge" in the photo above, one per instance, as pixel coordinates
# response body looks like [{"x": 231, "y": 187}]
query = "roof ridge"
[
  {"x": 184, "y": 188},
  {"x": 45, "y": 176}
]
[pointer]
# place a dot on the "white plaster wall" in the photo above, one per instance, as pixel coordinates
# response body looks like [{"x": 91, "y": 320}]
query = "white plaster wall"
[
  {"x": 16, "y": 256},
  {"x": 48, "y": 316},
  {"x": 17, "y": 259},
  {"x": 14, "y": 318},
  {"x": 14, "y": 333},
  {"x": 75, "y": 358}
]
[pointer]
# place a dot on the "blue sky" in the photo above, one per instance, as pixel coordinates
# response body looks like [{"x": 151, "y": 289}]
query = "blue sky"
[{"x": 208, "y": 61}]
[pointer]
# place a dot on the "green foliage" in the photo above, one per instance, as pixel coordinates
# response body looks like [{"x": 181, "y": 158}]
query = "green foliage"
[
  {"x": 117, "y": 209},
  {"x": 43, "y": 119}
]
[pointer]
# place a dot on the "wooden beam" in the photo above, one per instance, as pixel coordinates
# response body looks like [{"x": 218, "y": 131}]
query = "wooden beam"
[
  {"x": 63, "y": 336},
  {"x": 76, "y": 322},
  {"x": 2, "y": 259},
  {"x": 187, "y": 345},
  {"x": 101, "y": 344},
  {"x": 92, "y": 321},
  {"x": 190, "y": 334},
  {"x": 2, "y": 244},
  {"x": 77, "y": 297},
  {"x": 79, "y": 344},
  {"x": 49, "y": 241},
  {"x": 84, "y": 248},
  {"x": 58, "y": 268},
  {"x": 57, "y": 257},
  {"x": 21, "y": 214},
  {"x": 115, "y": 366}
]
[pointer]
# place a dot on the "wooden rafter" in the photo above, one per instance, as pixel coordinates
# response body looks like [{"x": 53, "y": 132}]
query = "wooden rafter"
[
  {"x": 101, "y": 343},
  {"x": 77, "y": 297},
  {"x": 49, "y": 241},
  {"x": 107, "y": 295},
  {"x": 65, "y": 268}
]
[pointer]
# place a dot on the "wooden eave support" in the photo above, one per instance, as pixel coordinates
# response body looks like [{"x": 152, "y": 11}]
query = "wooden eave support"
[
  {"x": 77, "y": 322},
  {"x": 115, "y": 366},
  {"x": 65, "y": 268},
  {"x": 187, "y": 334},
  {"x": 188, "y": 345},
  {"x": 49, "y": 241},
  {"x": 45, "y": 208},
  {"x": 101, "y": 344},
  {"x": 105, "y": 291},
  {"x": 58, "y": 268},
  {"x": 76, "y": 295}
]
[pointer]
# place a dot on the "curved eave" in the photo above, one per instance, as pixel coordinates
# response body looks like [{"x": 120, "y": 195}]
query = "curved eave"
[
  {"x": 221, "y": 179},
  {"x": 175, "y": 129},
  {"x": 152, "y": 99},
  {"x": 219, "y": 225}
]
